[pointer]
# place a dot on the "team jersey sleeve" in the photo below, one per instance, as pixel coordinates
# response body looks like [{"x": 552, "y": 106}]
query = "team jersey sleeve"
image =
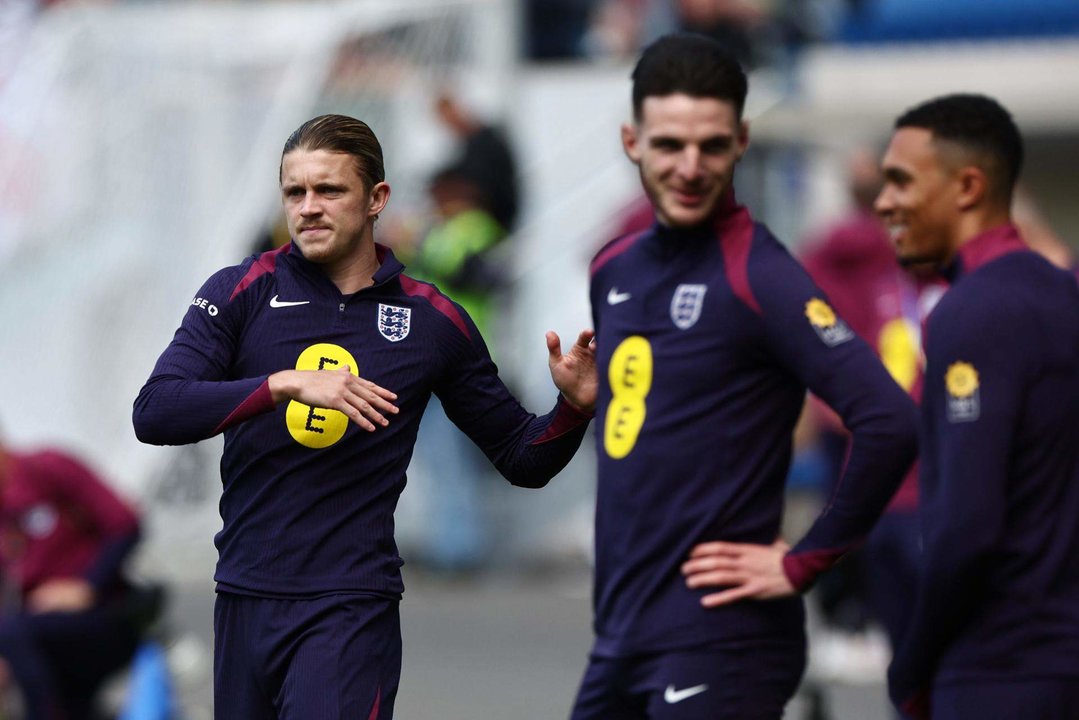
[
  {"x": 190, "y": 396},
  {"x": 807, "y": 338},
  {"x": 527, "y": 450},
  {"x": 973, "y": 396},
  {"x": 75, "y": 486}
]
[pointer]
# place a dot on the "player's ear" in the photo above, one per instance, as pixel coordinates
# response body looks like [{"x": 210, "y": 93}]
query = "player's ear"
[
  {"x": 743, "y": 138},
  {"x": 972, "y": 185},
  {"x": 380, "y": 196},
  {"x": 631, "y": 141}
]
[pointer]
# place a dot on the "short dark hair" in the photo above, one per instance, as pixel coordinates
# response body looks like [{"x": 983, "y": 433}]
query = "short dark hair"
[
  {"x": 980, "y": 125},
  {"x": 342, "y": 134},
  {"x": 692, "y": 64}
]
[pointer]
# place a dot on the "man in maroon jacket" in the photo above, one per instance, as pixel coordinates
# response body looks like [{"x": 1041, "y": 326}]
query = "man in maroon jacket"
[{"x": 65, "y": 625}]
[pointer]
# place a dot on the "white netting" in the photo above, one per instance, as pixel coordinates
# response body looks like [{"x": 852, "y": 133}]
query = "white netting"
[{"x": 138, "y": 153}]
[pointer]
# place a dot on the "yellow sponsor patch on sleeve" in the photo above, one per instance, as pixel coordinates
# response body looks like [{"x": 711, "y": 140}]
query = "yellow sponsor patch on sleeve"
[
  {"x": 826, "y": 323},
  {"x": 963, "y": 387}
]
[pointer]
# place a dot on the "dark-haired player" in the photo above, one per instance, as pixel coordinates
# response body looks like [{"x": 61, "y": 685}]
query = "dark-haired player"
[
  {"x": 709, "y": 334},
  {"x": 995, "y": 628},
  {"x": 316, "y": 361}
]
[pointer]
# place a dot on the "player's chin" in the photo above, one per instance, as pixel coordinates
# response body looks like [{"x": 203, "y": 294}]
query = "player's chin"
[
  {"x": 687, "y": 216},
  {"x": 315, "y": 250}
]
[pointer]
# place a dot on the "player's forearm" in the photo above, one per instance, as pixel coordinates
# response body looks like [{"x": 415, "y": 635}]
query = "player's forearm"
[
  {"x": 883, "y": 446},
  {"x": 176, "y": 411},
  {"x": 947, "y": 593},
  {"x": 537, "y": 448}
]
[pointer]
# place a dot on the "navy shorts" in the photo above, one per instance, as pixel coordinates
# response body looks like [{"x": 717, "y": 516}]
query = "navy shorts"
[
  {"x": 330, "y": 658},
  {"x": 753, "y": 682},
  {"x": 1041, "y": 699}
]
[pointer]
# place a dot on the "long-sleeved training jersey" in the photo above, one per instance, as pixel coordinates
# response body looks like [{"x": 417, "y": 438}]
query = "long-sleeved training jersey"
[
  {"x": 308, "y": 497},
  {"x": 999, "y": 595},
  {"x": 707, "y": 341}
]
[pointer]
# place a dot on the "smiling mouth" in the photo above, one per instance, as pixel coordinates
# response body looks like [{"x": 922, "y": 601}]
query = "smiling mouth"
[{"x": 688, "y": 198}]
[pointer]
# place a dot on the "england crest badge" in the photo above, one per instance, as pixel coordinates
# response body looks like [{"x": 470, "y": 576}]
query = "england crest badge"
[
  {"x": 394, "y": 322},
  {"x": 686, "y": 305}
]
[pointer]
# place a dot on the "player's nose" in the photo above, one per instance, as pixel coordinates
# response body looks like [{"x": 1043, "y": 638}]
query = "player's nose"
[{"x": 689, "y": 163}]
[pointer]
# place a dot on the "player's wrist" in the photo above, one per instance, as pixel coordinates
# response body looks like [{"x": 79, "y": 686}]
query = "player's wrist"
[
  {"x": 588, "y": 411},
  {"x": 282, "y": 385}
]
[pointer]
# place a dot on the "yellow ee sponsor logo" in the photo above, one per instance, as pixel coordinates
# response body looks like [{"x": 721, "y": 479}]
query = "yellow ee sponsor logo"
[
  {"x": 318, "y": 427},
  {"x": 899, "y": 351},
  {"x": 630, "y": 375}
]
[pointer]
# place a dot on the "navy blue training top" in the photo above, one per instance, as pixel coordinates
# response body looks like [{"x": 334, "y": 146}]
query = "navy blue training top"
[
  {"x": 308, "y": 497},
  {"x": 707, "y": 341},
  {"x": 998, "y": 599}
]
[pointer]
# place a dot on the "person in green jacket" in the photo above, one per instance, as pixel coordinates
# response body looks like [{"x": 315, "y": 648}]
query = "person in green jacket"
[{"x": 455, "y": 254}]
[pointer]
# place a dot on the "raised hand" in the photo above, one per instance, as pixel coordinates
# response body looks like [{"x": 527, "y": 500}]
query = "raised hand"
[{"x": 574, "y": 373}]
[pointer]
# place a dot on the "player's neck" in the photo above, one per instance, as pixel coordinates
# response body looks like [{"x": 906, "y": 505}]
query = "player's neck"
[
  {"x": 357, "y": 271},
  {"x": 975, "y": 224}
]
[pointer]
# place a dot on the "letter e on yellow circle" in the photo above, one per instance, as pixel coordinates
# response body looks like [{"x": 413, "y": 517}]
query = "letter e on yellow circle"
[{"x": 318, "y": 427}]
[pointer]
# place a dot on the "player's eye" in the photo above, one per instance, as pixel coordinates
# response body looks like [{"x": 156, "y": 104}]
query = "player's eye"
[{"x": 717, "y": 146}]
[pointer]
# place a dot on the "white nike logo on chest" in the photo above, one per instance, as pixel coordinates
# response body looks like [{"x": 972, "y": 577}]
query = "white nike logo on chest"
[
  {"x": 275, "y": 303},
  {"x": 614, "y": 297}
]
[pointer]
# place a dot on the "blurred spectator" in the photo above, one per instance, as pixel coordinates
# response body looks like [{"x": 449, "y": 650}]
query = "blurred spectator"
[
  {"x": 555, "y": 29},
  {"x": 1037, "y": 232},
  {"x": 455, "y": 255},
  {"x": 616, "y": 28},
  {"x": 485, "y": 158},
  {"x": 732, "y": 22},
  {"x": 854, "y": 263},
  {"x": 70, "y": 618},
  {"x": 634, "y": 217}
]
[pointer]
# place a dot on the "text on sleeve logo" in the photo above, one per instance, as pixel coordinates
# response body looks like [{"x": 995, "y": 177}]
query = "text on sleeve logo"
[
  {"x": 205, "y": 305},
  {"x": 275, "y": 303},
  {"x": 615, "y": 298},
  {"x": 672, "y": 696}
]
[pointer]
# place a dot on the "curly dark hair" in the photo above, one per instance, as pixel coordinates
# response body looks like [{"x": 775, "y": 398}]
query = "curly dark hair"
[{"x": 692, "y": 64}]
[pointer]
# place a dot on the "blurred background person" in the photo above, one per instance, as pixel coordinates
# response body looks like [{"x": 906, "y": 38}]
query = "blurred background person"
[
  {"x": 457, "y": 255},
  {"x": 485, "y": 157},
  {"x": 852, "y": 260},
  {"x": 67, "y": 623}
]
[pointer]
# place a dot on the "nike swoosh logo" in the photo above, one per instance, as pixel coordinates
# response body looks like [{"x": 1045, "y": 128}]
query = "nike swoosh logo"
[
  {"x": 275, "y": 303},
  {"x": 672, "y": 696},
  {"x": 614, "y": 297}
]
